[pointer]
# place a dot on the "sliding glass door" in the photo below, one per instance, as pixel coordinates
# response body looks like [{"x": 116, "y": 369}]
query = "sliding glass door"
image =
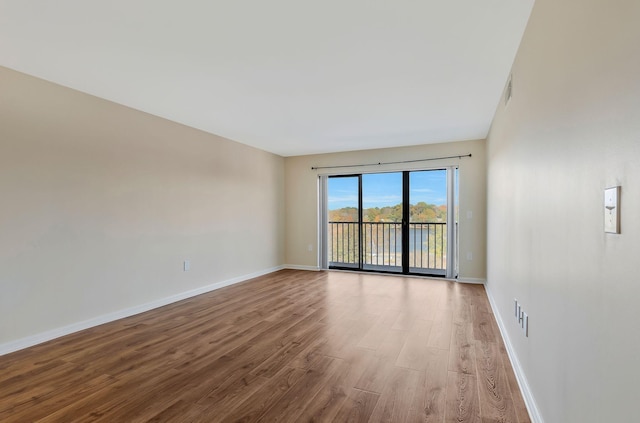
[{"x": 399, "y": 222}]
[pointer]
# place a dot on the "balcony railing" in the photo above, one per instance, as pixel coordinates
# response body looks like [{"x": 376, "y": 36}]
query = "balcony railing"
[{"x": 382, "y": 246}]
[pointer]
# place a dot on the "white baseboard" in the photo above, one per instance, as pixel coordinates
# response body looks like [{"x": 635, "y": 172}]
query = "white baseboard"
[
  {"x": 299, "y": 267},
  {"x": 39, "y": 338},
  {"x": 529, "y": 400},
  {"x": 476, "y": 281}
]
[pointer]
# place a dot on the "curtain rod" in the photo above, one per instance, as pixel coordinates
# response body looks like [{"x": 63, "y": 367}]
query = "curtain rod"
[{"x": 387, "y": 163}]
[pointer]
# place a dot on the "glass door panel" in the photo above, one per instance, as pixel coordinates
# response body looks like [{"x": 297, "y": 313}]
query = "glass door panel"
[
  {"x": 382, "y": 222},
  {"x": 344, "y": 221},
  {"x": 427, "y": 229}
]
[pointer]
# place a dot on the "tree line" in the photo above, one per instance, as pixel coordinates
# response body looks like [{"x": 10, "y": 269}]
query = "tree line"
[{"x": 419, "y": 212}]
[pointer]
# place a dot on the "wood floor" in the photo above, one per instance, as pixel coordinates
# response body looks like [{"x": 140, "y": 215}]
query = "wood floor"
[{"x": 292, "y": 346}]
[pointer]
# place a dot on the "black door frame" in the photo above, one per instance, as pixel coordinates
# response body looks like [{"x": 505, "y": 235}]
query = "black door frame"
[{"x": 406, "y": 212}]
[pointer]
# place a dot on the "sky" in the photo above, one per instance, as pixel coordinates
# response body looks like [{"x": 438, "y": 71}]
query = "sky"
[{"x": 385, "y": 189}]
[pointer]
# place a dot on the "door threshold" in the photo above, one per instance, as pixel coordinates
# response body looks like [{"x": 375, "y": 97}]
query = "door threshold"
[{"x": 376, "y": 272}]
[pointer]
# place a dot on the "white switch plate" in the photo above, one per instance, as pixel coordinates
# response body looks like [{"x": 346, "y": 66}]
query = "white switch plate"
[
  {"x": 612, "y": 210},
  {"x": 469, "y": 256},
  {"x": 469, "y": 214},
  {"x": 310, "y": 247},
  {"x": 187, "y": 265}
]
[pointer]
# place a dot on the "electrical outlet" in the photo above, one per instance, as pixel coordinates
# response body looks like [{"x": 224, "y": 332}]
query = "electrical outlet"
[{"x": 522, "y": 317}]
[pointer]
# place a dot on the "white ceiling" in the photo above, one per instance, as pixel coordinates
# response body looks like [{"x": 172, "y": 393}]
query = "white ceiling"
[{"x": 287, "y": 76}]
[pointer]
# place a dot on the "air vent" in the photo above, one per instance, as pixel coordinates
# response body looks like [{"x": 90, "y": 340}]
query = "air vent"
[{"x": 508, "y": 92}]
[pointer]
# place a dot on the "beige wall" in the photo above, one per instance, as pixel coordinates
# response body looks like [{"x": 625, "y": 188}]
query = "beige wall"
[
  {"x": 571, "y": 129},
  {"x": 301, "y": 185},
  {"x": 101, "y": 204}
]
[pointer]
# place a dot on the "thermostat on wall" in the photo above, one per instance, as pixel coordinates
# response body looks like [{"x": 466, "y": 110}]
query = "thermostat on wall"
[{"x": 612, "y": 210}]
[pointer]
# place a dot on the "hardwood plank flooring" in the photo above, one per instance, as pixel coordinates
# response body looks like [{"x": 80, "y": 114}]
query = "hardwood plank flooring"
[
  {"x": 462, "y": 399},
  {"x": 497, "y": 404},
  {"x": 292, "y": 346},
  {"x": 429, "y": 401}
]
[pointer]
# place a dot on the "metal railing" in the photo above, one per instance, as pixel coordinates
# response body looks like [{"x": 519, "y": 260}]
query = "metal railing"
[{"x": 382, "y": 245}]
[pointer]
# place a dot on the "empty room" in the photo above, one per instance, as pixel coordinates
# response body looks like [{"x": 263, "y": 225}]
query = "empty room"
[{"x": 292, "y": 211}]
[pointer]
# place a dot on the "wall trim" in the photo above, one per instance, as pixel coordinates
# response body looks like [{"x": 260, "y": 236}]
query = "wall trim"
[
  {"x": 300, "y": 267},
  {"x": 527, "y": 394},
  {"x": 49, "y": 335},
  {"x": 477, "y": 281}
]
